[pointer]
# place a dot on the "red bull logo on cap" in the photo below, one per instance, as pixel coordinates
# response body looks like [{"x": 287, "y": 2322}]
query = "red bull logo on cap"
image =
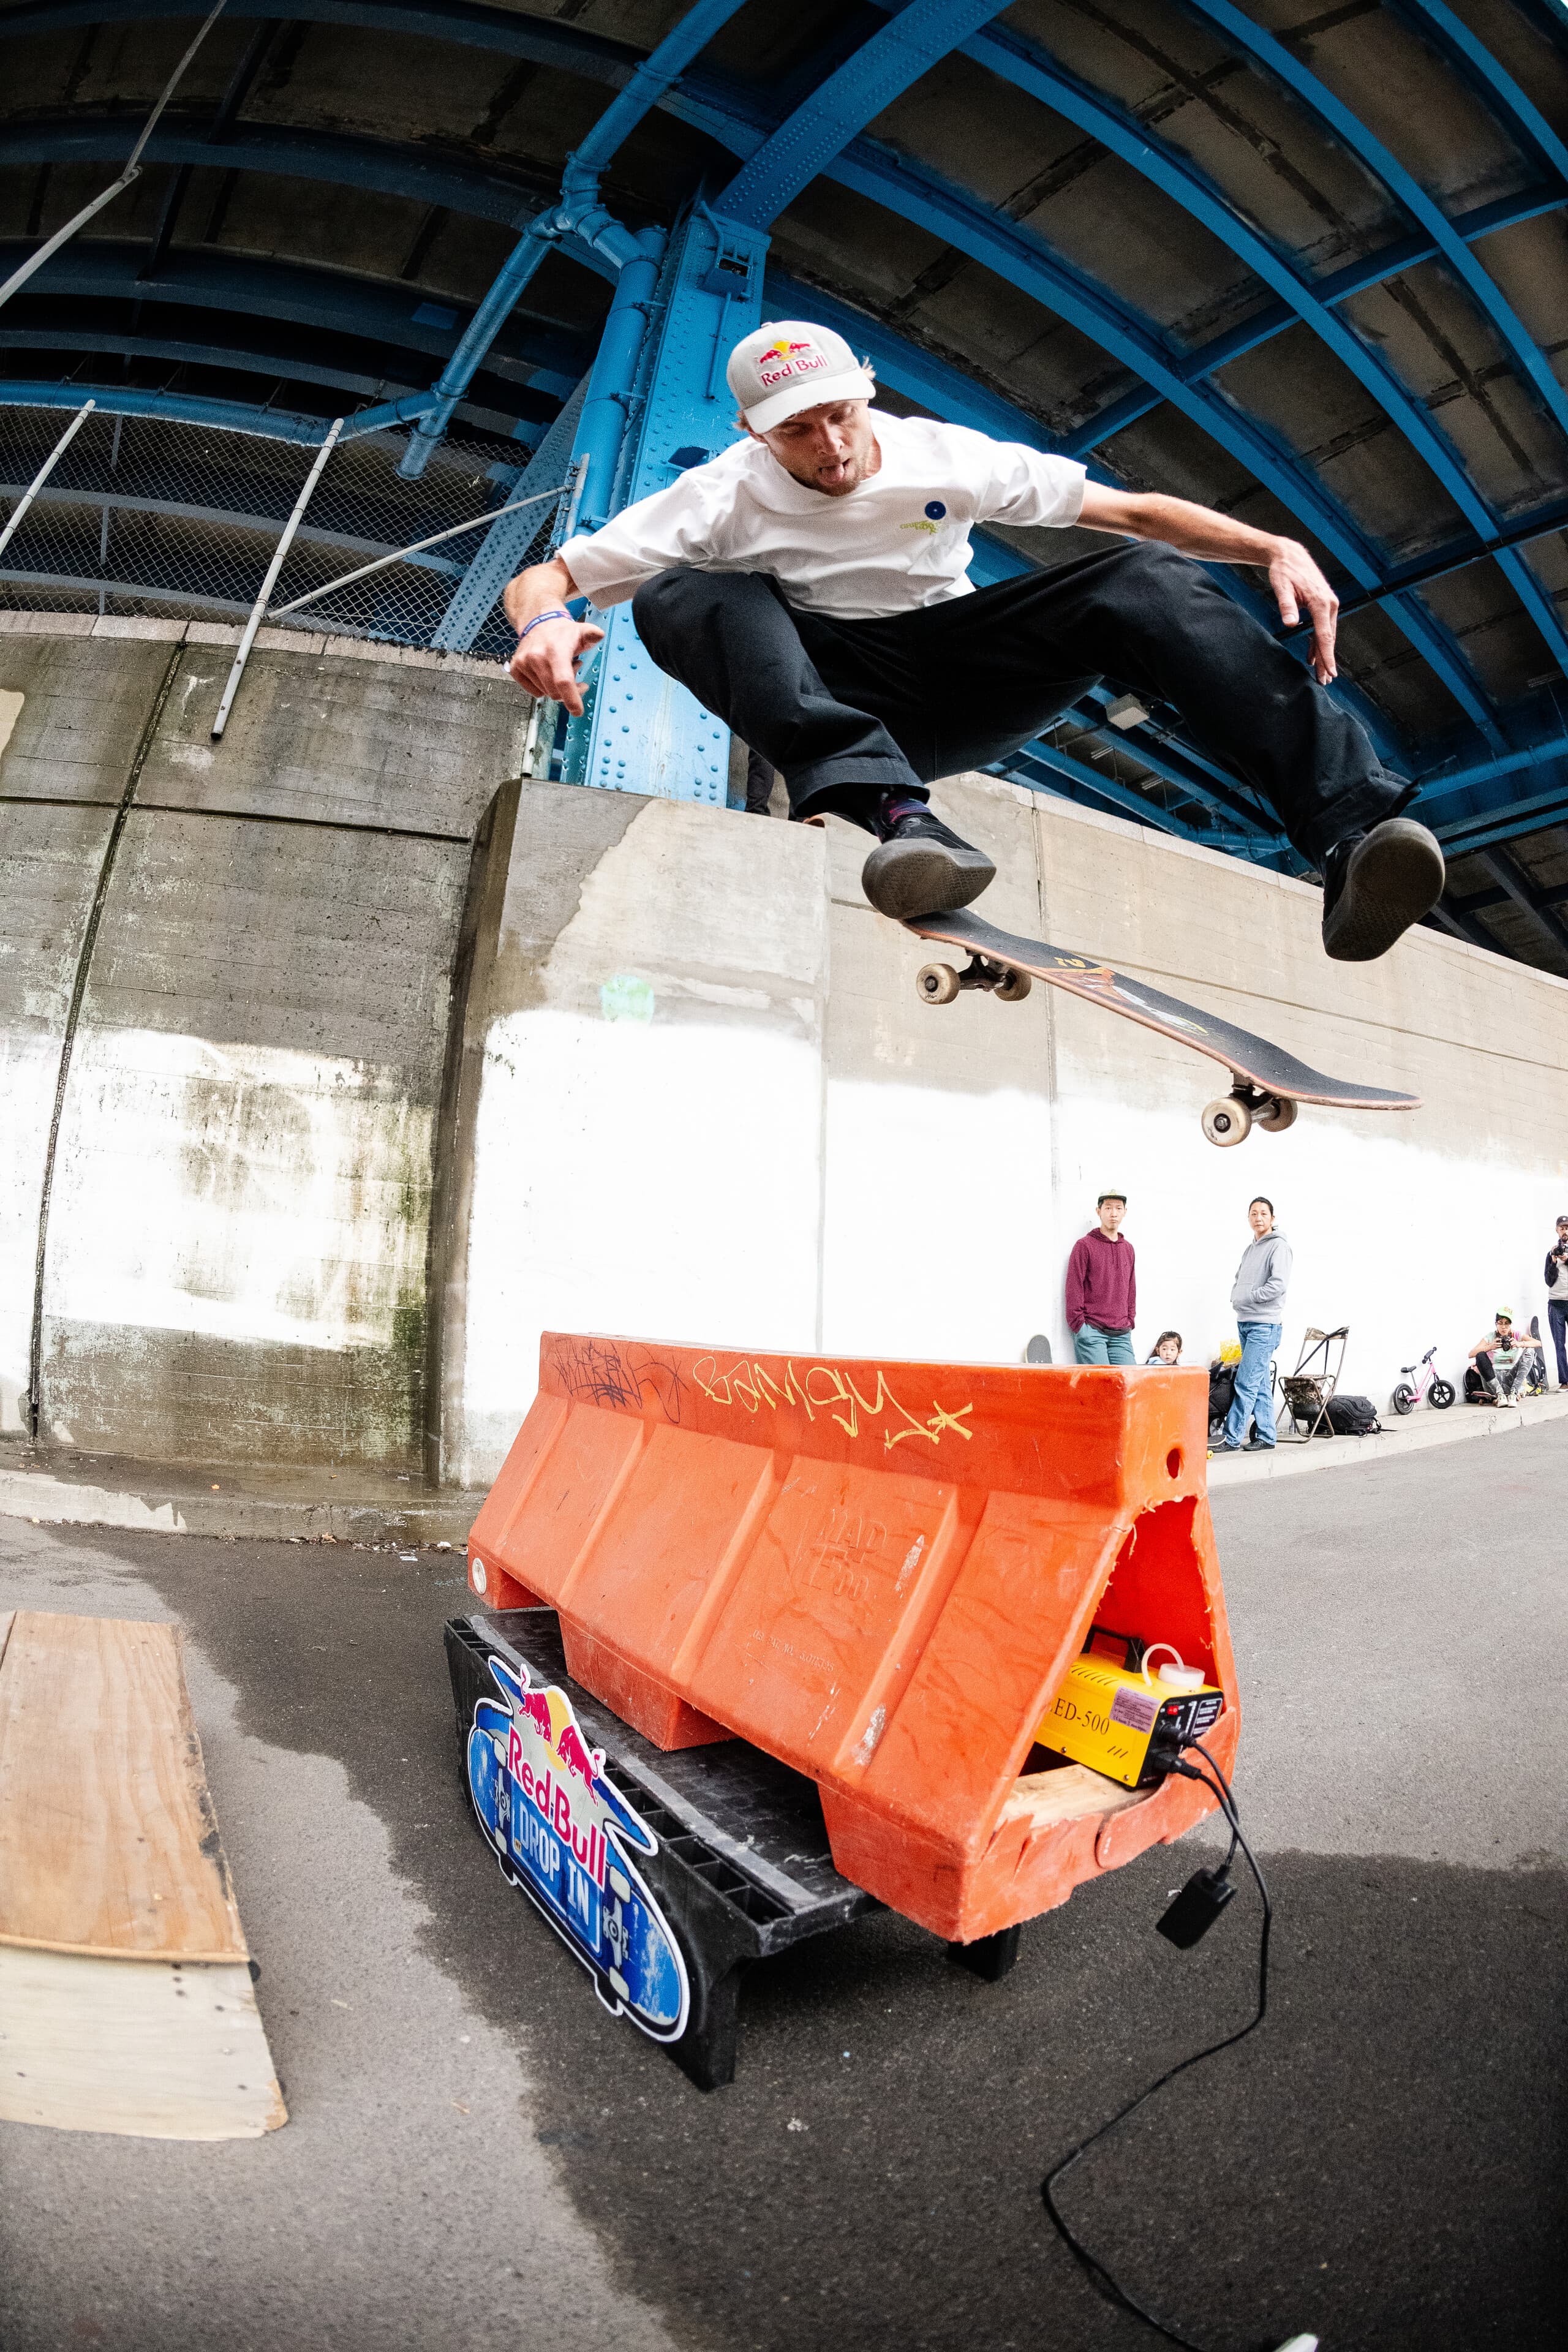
[{"x": 783, "y": 362}]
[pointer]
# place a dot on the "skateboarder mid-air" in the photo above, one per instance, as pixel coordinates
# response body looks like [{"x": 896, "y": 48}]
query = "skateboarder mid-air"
[{"x": 809, "y": 585}]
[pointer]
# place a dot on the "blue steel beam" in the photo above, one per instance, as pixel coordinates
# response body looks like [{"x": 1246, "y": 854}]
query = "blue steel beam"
[
  {"x": 1423, "y": 630},
  {"x": 1025, "y": 262},
  {"x": 639, "y": 730},
  {"x": 384, "y": 167},
  {"x": 1029, "y": 68},
  {"x": 918, "y": 194},
  {"x": 1125, "y": 802},
  {"x": 880, "y": 71},
  {"x": 1345, "y": 128},
  {"x": 1514, "y": 821},
  {"x": 1498, "y": 90},
  {"x": 1440, "y": 786},
  {"x": 1337, "y": 286},
  {"x": 508, "y": 539},
  {"x": 587, "y": 55},
  {"x": 180, "y": 408},
  {"x": 580, "y": 215}
]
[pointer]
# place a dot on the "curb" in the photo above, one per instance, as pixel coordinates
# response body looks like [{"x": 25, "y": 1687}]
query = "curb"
[
  {"x": 162, "y": 1506},
  {"x": 1424, "y": 1428}
]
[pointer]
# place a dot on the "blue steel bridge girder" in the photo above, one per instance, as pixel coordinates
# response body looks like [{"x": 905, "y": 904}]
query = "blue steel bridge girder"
[
  {"x": 1490, "y": 82},
  {"x": 392, "y": 170},
  {"x": 722, "y": 112},
  {"x": 1031, "y": 70},
  {"x": 640, "y": 732},
  {"x": 1270, "y": 55},
  {"x": 880, "y": 71},
  {"x": 919, "y": 196},
  {"x": 388, "y": 168},
  {"x": 384, "y": 167}
]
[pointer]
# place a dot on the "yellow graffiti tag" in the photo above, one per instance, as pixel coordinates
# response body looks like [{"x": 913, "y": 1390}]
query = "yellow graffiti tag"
[{"x": 820, "y": 1388}]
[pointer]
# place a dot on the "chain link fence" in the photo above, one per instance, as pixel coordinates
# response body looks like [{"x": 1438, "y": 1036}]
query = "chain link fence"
[{"x": 148, "y": 517}]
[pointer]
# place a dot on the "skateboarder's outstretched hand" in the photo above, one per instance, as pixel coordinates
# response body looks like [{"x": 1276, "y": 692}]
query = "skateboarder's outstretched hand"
[
  {"x": 1297, "y": 582},
  {"x": 550, "y": 643}
]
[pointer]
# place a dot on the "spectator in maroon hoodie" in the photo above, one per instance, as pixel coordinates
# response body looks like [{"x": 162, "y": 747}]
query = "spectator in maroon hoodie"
[{"x": 1102, "y": 1288}]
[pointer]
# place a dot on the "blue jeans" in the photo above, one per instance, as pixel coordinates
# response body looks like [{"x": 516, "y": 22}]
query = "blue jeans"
[
  {"x": 1090, "y": 1345},
  {"x": 1253, "y": 1401}
]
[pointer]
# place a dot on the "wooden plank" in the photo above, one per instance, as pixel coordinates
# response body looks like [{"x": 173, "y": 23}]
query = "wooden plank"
[
  {"x": 156, "y": 2049},
  {"x": 1071, "y": 1793},
  {"x": 108, "y": 1841}
]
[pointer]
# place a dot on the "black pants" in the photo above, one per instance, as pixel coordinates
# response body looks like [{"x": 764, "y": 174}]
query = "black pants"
[
  {"x": 850, "y": 709},
  {"x": 1557, "y": 1320}
]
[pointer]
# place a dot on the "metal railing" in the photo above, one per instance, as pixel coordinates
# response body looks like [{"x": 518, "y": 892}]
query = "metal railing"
[{"x": 146, "y": 517}]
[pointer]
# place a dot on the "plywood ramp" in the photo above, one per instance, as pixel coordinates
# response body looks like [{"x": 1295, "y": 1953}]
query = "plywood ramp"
[{"x": 126, "y": 2003}]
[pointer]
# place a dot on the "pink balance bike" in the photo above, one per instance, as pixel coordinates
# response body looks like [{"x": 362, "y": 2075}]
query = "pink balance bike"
[{"x": 1428, "y": 1384}]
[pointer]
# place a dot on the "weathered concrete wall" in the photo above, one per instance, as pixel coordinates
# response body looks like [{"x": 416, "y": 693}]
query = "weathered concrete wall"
[
  {"x": 661, "y": 1068},
  {"x": 953, "y": 1153},
  {"x": 1411, "y": 1227},
  {"x": 643, "y": 1123},
  {"x": 238, "y": 1219}
]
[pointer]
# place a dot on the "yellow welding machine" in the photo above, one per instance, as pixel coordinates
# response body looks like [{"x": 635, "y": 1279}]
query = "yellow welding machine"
[{"x": 1120, "y": 1721}]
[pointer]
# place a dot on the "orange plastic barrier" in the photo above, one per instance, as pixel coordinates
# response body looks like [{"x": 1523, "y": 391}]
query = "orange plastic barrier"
[{"x": 880, "y": 1573}]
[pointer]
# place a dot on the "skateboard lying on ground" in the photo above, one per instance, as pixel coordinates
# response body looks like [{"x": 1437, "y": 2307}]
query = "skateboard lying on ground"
[{"x": 1267, "y": 1085}]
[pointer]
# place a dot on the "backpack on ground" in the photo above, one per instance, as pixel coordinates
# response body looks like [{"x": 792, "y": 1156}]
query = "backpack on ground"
[
  {"x": 1222, "y": 1393},
  {"x": 1353, "y": 1416}
]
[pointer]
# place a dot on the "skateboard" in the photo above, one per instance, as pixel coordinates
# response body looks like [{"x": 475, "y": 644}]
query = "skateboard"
[{"x": 1268, "y": 1083}]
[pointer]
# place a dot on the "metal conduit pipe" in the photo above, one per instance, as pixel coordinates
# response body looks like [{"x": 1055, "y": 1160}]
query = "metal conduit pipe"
[
  {"x": 579, "y": 214},
  {"x": 604, "y": 411}
]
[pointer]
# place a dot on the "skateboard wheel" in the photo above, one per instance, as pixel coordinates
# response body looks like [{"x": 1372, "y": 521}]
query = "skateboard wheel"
[
  {"x": 1014, "y": 988},
  {"x": 936, "y": 983},
  {"x": 1276, "y": 1115},
  {"x": 1226, "y": 1121}
]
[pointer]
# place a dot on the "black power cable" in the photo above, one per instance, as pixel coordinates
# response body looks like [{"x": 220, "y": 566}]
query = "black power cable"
[{"x": 1214, "y": 1778}]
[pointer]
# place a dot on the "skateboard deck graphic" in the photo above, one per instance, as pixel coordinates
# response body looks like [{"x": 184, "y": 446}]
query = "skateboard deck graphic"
[{"x": 1269, "y": 1081}]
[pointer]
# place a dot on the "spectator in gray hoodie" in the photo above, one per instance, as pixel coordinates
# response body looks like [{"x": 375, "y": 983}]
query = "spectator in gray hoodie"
[{"x": 1258, "y": 1294}]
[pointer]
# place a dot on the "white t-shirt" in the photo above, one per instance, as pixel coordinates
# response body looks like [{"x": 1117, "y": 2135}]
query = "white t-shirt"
[{"x": 898, "y": 540}]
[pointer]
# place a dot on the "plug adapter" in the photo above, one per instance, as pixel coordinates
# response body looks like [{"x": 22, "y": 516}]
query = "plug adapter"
[{"x": 1195, "y": 1908}]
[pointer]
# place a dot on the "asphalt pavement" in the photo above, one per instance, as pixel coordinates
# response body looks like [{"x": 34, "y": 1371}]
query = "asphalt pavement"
[{"x": 478, "y": 2156}]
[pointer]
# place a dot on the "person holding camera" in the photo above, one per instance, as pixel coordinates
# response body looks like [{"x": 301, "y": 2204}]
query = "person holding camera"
[
  {"x": 1498, "y": 1364},
  {"x": 1557, "y": 1298}
]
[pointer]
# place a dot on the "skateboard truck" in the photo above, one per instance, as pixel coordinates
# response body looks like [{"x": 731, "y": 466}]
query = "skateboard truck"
[
  {"x": 1230, "y": 1118},
  {"x": 938, "y": 983}
]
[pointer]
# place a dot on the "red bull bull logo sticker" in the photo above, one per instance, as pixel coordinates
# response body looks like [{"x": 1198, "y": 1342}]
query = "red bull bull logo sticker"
[{"x": 565, "y": 1834}]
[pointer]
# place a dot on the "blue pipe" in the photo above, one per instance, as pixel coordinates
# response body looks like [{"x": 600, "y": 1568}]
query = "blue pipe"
[
  {"x": 580, "y": 215},
  {"x": 603, "y": 421}
]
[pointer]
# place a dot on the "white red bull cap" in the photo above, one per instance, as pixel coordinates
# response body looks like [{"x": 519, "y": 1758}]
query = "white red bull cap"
[{"x": 789, "y": 364}]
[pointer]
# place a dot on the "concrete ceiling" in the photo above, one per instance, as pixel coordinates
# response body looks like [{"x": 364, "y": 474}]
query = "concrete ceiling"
[{"x": 1306, "y": 265}]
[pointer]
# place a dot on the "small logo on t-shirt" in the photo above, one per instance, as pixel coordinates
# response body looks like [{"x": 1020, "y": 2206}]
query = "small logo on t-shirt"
[{"x": 936, "y": 510}]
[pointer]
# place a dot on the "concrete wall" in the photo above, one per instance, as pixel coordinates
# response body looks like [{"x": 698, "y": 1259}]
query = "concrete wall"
[
  {"x": 682, "y": 1129},
  {"x": 380, "y": 1064},
  {"x": 238, "y": 1218}
]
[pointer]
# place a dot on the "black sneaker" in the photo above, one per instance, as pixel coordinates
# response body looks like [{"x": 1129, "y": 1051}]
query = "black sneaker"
[
  {"x": 1375, "y": 885},
  {"x": 921, "y": 867}
]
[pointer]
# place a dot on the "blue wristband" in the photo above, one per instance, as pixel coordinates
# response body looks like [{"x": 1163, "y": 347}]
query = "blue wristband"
[{"x": 558, "y": 613}]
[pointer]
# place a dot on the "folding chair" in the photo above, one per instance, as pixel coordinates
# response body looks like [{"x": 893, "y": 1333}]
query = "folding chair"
[{"x": 1308, "y": 1390}]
